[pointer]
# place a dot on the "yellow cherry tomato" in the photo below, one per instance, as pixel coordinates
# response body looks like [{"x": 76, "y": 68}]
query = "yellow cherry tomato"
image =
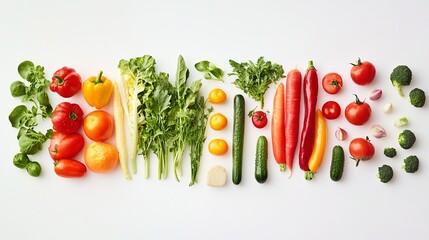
[
  {"x": 218, "y": 121},
  {"x": 217, "y": 96},
  {"x": 218, "y": 147}
]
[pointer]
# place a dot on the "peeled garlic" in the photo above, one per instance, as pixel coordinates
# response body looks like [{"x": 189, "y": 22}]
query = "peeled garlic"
[{"x": 388, "y": 108}]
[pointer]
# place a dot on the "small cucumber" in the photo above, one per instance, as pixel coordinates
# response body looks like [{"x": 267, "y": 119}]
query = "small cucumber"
[
  {"x": 337, "y": 164},
  {"x": 261, "y": 170},
  {"x": 238, "y": 138}
]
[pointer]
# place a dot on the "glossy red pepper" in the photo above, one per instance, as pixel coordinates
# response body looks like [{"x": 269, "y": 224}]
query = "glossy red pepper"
[
  {"x": 66, "y": 82},
  {"x": 69, "y": 168},
  {"x": 67, "y": 117},
  {"x": 309, "y": 125},
  {"x": 64, "y": 146}
]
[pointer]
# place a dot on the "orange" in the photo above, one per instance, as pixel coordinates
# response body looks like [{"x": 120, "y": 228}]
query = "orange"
[
  {"x": 218, "y": 121},
  {"x": 101, "y": 157},
  {"x": 218, "y": 147}
]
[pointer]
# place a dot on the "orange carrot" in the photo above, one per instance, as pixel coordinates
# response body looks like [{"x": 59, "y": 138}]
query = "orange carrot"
[
  {"x": 292, "y": 107},
  {"x": 278, "y": 127}
]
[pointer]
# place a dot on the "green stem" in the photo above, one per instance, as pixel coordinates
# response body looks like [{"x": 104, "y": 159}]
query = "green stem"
[
  {"x": 311, "y": 65},
  {"x": 146, "y": 166},
  {"x": 98, "y": 79}
]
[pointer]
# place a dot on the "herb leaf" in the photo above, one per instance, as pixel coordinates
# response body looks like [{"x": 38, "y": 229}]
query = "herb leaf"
[{"x": 255, "y": 79}]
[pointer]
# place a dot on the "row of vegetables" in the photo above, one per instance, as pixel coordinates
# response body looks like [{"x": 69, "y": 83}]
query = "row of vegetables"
[{"x": 166, "y": 118}]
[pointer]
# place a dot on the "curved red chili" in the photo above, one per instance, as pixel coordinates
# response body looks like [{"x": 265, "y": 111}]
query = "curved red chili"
[{"x": 308, "y": 128}]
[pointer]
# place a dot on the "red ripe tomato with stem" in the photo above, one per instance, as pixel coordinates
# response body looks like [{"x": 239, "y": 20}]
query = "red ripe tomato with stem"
[
  {"x": 332, "y": 83},
  {"x": 358, "y": 112},
  {"x": 361, "y": 149},
  {"x": 362, "y": 73}
]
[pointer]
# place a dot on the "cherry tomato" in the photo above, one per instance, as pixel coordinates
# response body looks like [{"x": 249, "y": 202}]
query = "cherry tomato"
[
  {"x": 361, "y": 149},
  {"x": 362, "y": 73},
  {"x": 69, "y": 168},
  {"x": 332, "y": 83},
  {"x": 358, "y": 113},
  {"x": 331, "y": 110},
  {"x": 218, "y": 121},
  {"x": 217, "y": 96},
  {"x": 65, "y": 145},
  {"x": 218, "y": 147},
  {"x": 259, "y": 119},
  {"x": 98, "y": 125}
]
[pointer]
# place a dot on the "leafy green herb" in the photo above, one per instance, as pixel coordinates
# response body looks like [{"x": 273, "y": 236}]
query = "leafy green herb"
[
  {"x": 211, "y": 71},
  {"x": 196, "y": 136},
  {"x": 32, "y": 142},
  {"x": 255, "y": 79},
  {"x": 26, "y": 118}
]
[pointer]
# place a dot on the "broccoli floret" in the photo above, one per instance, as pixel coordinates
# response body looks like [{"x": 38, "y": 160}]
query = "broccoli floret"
[
  {"x": 390, "y": 152},
  {"x": 385, "y": 173},
  {"x": 417, "y": 97},
  {"x": 401, "y": 76},
  {"x": 411, "y": 164},
  {"x": 406, "y": 139}
]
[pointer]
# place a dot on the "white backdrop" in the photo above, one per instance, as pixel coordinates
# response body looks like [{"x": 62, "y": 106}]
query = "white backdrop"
[{"x": 94, "y": 35}]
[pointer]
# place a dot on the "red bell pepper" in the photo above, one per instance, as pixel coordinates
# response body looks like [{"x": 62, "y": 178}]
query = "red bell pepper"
[
  {"x": 66, "y": 82},
  {"x": 65, "y": 145},
  {"x": 67, "y": 117}
]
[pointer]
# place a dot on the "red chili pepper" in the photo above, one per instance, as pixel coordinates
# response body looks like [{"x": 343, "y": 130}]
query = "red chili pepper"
[
  {"x": 66, "y": 82},
  {"x": 69, "y": 168},
  {"x": 67, "y": 117},
  {"x": 308, "y": 128}
]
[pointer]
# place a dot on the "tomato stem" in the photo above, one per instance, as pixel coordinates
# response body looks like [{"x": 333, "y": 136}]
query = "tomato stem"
[{"x": 358, "y": 101}]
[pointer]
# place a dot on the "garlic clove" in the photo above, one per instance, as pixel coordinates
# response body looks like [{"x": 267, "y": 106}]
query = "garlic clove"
[
  {"x": 375, "y": 94},
  {"x": 388, "y": 108},
  {"x": 378, "y": 131}
]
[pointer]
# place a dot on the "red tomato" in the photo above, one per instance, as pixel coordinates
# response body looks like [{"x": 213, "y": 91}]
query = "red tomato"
[
  {"x": 65, "y": 145},
  {"x": 69, "y": 168},
  {"x": 362, "y": 73},
  {"x": 98, "y": 125},
  {"x": 67, "y": 117},
  {"x": 332, "y": 83},
  {"x": 361, "y": 149},
  {"x": 259, "y": 119},
  {"x": 358, "y": 113},
  {"x": 331, "y": 110}
]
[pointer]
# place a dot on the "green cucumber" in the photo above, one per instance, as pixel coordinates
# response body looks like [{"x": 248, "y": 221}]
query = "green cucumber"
[
  {"x": 337, "y": 164},
  {"x": 238, "y": 138},
  {"x": 261, "y": 170}
]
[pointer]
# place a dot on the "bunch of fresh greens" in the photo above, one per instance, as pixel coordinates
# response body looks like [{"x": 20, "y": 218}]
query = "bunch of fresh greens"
[
  {"x": 210, "y": 70},
  {"x": 24, "y": 118},
  {"x": 164, "y": 117},
  {"x": 191, "y": 121},
  {"x": 255, "y": 79}
]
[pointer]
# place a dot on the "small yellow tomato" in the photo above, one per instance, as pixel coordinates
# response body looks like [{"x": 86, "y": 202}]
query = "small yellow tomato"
[
  {"x": 217, "y": 96},
  {"x": 218, "y": 121},
  {"x": 218, "y": 147}
]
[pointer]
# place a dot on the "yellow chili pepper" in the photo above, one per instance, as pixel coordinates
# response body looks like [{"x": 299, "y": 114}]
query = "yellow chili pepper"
[
  {"x": 97, "y": 90},
  {"x": 319, "y": 145}
]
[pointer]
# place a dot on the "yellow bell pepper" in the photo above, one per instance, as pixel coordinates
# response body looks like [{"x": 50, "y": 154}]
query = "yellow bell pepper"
[
  {"x": 319, "y": 145},
  {"x": 97, "y": 90}
]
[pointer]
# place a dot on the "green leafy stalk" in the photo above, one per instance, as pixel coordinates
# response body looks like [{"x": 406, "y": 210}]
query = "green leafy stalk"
[{"x": 137, "y": 79}]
